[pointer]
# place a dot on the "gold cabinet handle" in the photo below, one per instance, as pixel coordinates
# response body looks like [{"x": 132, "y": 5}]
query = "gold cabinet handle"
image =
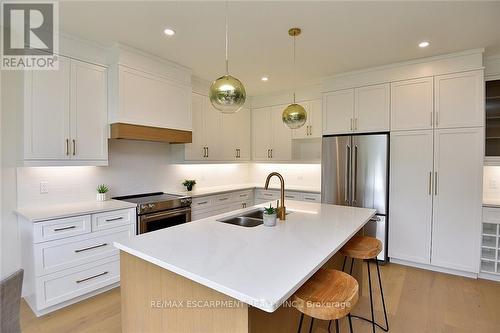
[
  {"x": 74, "y": 147},
  {"x": 435, "y": 183},
  {"x": 430, "y": 182},
  {"x": 67, "y": 146}
]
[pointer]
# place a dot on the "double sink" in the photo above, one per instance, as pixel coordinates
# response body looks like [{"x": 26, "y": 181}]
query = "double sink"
[{"x": 252, "y": 218}]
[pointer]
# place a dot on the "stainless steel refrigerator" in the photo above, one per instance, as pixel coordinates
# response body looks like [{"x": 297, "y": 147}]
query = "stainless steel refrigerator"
[{"x": 355, "y": 172}]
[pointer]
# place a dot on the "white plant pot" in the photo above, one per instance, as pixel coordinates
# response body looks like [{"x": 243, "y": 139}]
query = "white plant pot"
[
  {"x": 101, "y": 197},
  {"x": 269, "y": 220}
]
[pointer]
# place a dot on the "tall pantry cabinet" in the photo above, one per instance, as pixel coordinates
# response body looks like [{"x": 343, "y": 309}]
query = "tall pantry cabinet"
[{"x": 437, "y": 131}]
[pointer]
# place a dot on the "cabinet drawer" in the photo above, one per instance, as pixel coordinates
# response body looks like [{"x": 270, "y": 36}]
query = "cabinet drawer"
[
  {"x": 491, "y": 215},
  {"x": 292, "y": 195},
  {"x": 62, "y": 254},
  {"x": 243, "y": 196},
  {"x": 311, "y": 197},
  {"x": 202, "y": 203},
  {"x": 223, "y": 199},
  {"x": 113, "y": 219},
  {"x": 61, "y": 228},
  {"x": 62, "y": 286},
  {"x": 267, "y": 194}
]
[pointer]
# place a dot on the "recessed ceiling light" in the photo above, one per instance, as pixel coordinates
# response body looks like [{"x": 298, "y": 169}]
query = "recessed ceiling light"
[
  {"x": 169, "y": 32},
  {"x": 423, "y": 44},
  {"x": 264, "y": 78}
]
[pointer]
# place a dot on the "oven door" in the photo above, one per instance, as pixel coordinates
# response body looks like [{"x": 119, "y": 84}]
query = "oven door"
[{"x": 164, "y": 219}]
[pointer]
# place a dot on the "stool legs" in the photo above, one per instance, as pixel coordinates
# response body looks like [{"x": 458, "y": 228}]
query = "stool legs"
[
  {"x": 300, "y": 322},
  {"x": 386, "y": 328},
  {"x": 337, "y": 328}
]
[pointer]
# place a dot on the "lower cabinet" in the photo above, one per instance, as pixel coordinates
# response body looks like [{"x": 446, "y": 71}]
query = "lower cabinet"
[
  {"x": 210, "y": 205},
  {"x": 69, "y": 259},
  {"x": 436, "y": 195}
]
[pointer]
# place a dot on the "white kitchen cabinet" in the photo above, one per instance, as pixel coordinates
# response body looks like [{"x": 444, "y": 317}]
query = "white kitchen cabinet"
[
  {"x": 272, "y": 139},
  {"x": 88, "y": 111},
  {"x": 457, "y": 203},
  {"x": 46, "y": 116},
  {"x": 65, "y": 119},
  {"x": 338, "y": 111},
  {"x": 312, "y": 127},
  {"x": 147, "y": 99},
  {"x": 236, "y": 135},
  {"x": 459, "y": 100},
  {"x": 371, "y": 108},
  {"x": 207, "y": 138},
  {"x": 358, "y": 110},
  {"x": 412, "y": 104},
  {"x": 410, "y": 212}
]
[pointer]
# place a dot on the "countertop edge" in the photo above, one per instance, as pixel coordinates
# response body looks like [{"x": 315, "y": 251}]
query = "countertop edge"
[{"x": 242, "y": 188}]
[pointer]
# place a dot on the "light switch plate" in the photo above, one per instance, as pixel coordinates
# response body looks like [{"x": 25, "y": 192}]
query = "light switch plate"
[{"x": 44, "y": 187}]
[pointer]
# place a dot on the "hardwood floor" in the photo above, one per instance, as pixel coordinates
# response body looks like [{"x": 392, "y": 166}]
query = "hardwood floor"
[{"x": 417, "y": 301}]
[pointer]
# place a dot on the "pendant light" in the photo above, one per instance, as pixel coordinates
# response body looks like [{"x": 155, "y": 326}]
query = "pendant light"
[
  {"x": 294, "y": 116},
  {"x": 227, "y": 93}
]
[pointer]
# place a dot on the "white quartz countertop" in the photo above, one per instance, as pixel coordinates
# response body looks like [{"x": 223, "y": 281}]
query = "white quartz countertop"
[
  {"x": 261, "y": 266},
  {"x": 49, "y": 212},
  {"x": 204, "y": 191}
]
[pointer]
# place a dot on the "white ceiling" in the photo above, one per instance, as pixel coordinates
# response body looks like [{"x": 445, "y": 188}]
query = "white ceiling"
[{"x": 337, "y": 36}]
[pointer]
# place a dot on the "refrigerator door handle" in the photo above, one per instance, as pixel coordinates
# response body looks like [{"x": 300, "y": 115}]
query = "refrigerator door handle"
[
  {"x": 354, "y": 182},
  {"x": 347, "y": 191}
]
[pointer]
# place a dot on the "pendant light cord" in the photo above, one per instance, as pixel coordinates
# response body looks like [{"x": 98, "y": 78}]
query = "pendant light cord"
[
  {"x": 294, "y": 69},
  {"x": 227, "y": 28}
]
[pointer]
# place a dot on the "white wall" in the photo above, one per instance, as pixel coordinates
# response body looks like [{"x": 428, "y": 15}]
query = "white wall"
[
  {"x": 296, "y": 175},
  {"x": 491, "y": 183}
]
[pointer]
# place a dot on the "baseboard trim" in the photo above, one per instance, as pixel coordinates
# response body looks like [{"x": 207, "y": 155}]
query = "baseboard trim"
[
  {"x": 489, "y": 276},
  {"x": 69, "y": 302},
  {"x": 435, "y": 268}
]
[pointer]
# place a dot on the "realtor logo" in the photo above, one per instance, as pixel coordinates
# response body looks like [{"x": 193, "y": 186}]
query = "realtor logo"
[{"x": 29, "y": 39}]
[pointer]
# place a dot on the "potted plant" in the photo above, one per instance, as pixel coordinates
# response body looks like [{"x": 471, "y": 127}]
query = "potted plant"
[
  {"x": 189, "y": 183},
  {"x": 270, "y": 216},
  {"x": 102, "y": 190}
]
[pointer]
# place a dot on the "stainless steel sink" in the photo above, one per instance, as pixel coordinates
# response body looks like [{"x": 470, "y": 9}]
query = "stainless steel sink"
[
  {"x": 243, "y": 221},
  {"x": 252, "y": 218}
]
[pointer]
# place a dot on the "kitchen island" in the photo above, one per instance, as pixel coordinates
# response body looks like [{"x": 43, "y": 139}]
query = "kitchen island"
[{"x": 209, "y": 276}]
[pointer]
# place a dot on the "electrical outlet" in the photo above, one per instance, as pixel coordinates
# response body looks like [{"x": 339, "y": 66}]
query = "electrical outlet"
[{"x": 44, "y": 187}]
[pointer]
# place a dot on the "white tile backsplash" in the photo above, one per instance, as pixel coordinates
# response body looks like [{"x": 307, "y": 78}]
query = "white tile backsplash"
[{"x": 491, "y": 183}]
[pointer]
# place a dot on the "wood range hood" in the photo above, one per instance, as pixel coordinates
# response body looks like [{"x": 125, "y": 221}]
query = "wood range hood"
[{"x": 149, "y": 133}]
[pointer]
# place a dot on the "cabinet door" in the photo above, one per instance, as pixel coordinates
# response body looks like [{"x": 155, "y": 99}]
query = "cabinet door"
[
  {"x": 261, "y": 133},
  {"x": 46, "y": 117},
  {"x": 316, "y": 119},
  {"x": 458, "y": 157},
  {"x": 236, "y": 135},
  {"x": 303, "y": 132},
  {"x": 212, "y": 120},
  {"x": 459, "y": 100},
  {"x": 89, "y": 113},
  {"x": 410, "y": 196},
  {"x": 196, "y": 150},
  {"x": 371, "y": 108},
  {"x": 281, "y": 149},
  {"x": 339, "y": 111},
  {"x": 412, "y": 104}
]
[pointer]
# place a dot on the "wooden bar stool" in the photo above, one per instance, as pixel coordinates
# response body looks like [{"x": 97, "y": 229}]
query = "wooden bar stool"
[
  {"x": 366, "y": 248},
  {"x": 328, "y": 295}
]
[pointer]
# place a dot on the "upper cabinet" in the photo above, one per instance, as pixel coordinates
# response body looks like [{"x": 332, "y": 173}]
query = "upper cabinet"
[
  {"x": 217, "y": 136},
  {"x": 65, "y": 118},
  {"x": 272, "y": 139},
  {"x": 459, "y": 100},
  {"x": 312, "y": 127},
  {"x": 358, "y": 110},
  {"x": 142, "y": 98},
  {"x": 412, "y": 104}
]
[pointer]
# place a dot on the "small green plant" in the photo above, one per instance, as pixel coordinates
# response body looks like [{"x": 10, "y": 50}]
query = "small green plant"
[
  {"x": 189, "y": 183},
  {"x": 270, "y": 210},
  {"x": 102, "y": 188}
]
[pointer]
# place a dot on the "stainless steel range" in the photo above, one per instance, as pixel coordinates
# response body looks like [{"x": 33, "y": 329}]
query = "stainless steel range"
[{"x": 159, "y": 210}]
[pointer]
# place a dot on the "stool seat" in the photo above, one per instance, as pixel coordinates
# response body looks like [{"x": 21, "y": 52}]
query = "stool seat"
[
  {"x": 362, "y": 247},
  {"x": 328, "y": 295}
]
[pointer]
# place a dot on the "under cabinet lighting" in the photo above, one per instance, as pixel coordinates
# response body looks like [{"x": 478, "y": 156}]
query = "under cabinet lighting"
[
  {"x": 423, "y": 44},
  {"x": 169, "y": 32},
  {"x": 264, "y": 78}
]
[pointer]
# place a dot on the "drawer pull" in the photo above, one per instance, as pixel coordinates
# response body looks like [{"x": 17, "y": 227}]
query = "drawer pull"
[
  {"x": 91, "y": 277},
  {"x": 223, "y": 199},
  {"x": 243, "y": 195},
  {"x": 65, "y": 228},
  {"x": 114, "y": 219},
  {"x": 290, "y": 196},
  {"x": 312, "y": 199},
  {"x": 91, "y": 248},
  {"x": 268, "y": 194},
  {"x": 202, "y": 203}
]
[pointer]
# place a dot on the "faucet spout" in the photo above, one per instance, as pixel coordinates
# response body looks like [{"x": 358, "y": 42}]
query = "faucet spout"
[{"x": 281, "y": 208}]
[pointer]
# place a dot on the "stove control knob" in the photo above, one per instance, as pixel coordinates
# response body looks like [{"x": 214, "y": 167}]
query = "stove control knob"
[
  {"x": 186, "y": 201},
  {"x": 151, "y": 206},
  {"x": 144, "y": 207}
]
